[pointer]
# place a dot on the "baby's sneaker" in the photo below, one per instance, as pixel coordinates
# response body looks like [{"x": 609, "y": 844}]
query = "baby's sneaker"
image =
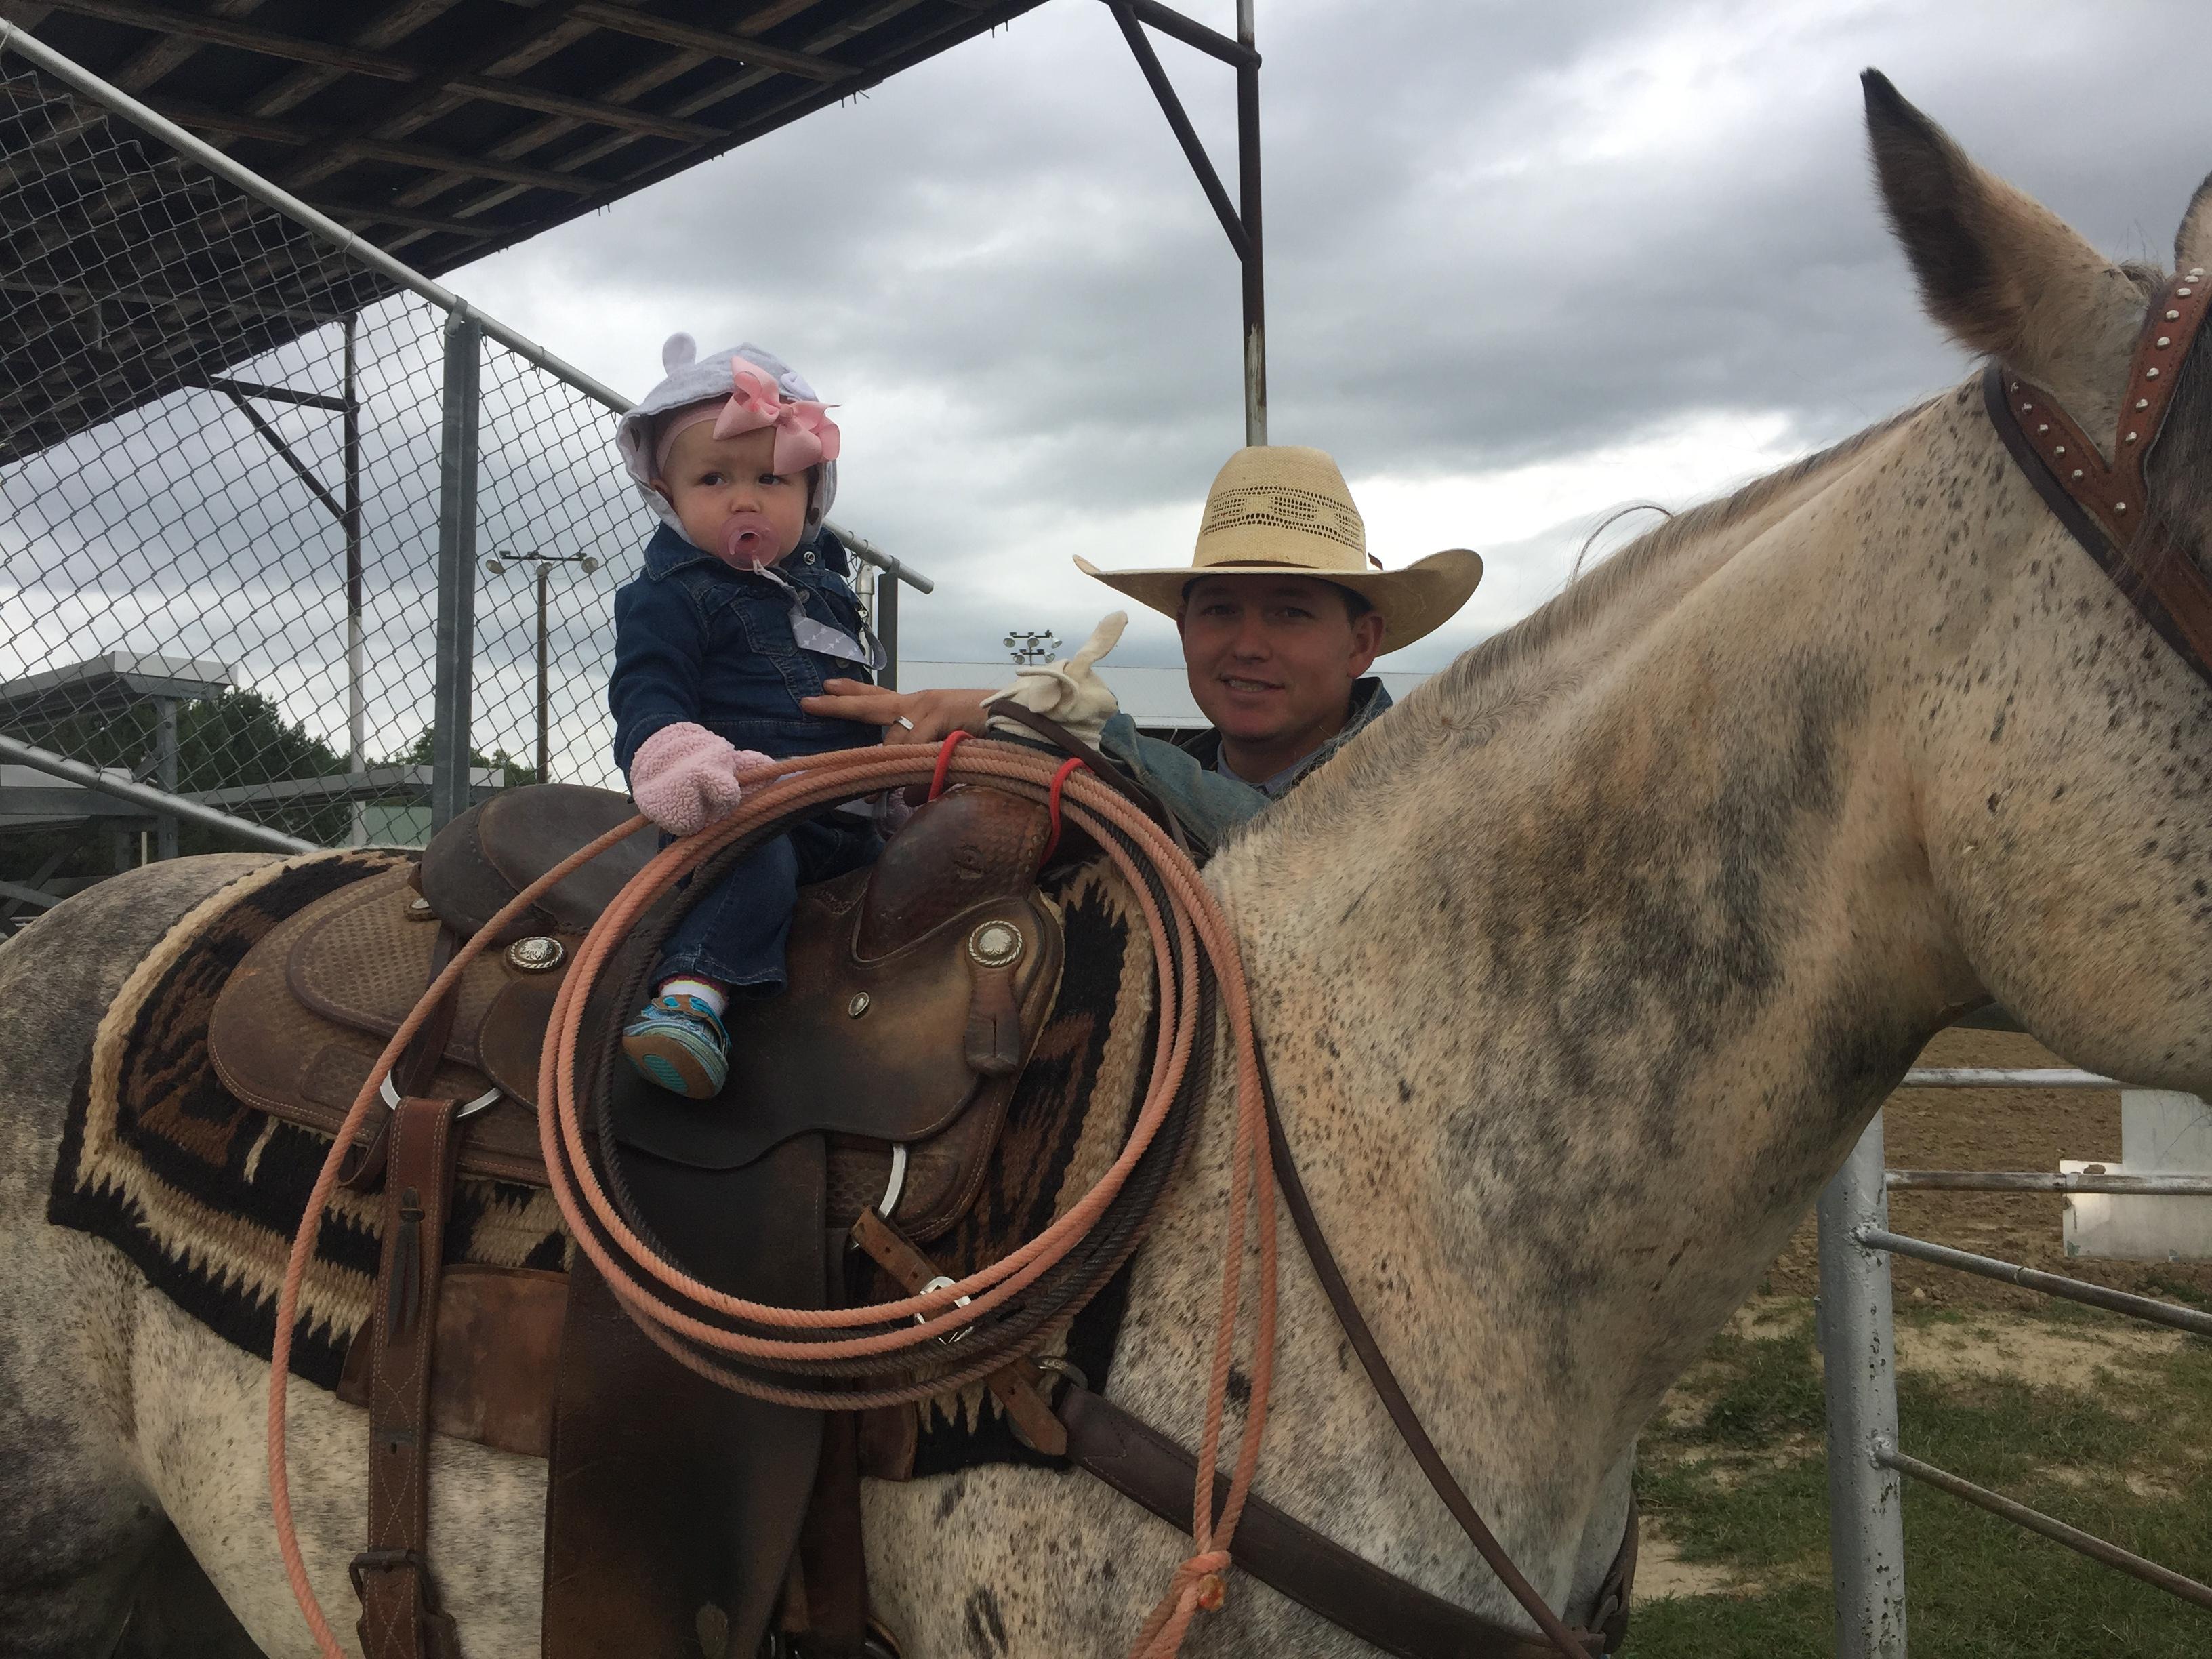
[{"x": 679, "y": 1042}]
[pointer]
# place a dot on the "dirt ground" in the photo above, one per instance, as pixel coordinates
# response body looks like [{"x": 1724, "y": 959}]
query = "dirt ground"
[{"x": 1994, "y": 1129}]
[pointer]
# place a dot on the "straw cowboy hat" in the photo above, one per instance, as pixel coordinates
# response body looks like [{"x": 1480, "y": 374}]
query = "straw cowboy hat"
[{"x": 1279, "y": 510}]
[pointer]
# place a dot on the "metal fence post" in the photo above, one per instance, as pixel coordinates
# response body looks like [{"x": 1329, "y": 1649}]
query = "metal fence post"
[
  {"x": 886, "y": 620},
  {"x": 457, "y": 572},
  {"x": 1254, "y": 262},
  {"x": 165, "y": 773},
  {"x": 1866, "y": 1520}
]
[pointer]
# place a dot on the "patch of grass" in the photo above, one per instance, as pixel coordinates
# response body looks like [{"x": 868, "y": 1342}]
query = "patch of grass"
[
  {"x": 1772, "y": 1389},
  {"x": 1797, "y": 1619},
  {"x": 2173, "y": 1288},
  {"x": 1757, "y": 1518},
  {"x": 2127, "y": 1455}
]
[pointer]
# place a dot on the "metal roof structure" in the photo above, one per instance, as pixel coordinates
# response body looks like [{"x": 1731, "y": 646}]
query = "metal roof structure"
[
  {"x": 438, "y": 130},
  {"x": 186, "y": 187},
  {"x": 105, "y": 685}
]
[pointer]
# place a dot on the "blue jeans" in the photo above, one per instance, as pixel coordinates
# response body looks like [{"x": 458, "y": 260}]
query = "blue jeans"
[{"x": 735, "y": 934}]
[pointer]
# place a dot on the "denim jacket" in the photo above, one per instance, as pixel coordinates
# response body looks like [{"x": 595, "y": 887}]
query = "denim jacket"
[
  {"x": 696, "y": 640},
  {"x": 1188, "y": 778}
]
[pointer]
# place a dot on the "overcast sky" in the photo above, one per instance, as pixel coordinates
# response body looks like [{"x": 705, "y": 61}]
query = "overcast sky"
[{"x": 1524, "y": 262}]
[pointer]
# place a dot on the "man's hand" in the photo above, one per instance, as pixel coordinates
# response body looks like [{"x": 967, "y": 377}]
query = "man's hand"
[{"x": 932, "y": 714}]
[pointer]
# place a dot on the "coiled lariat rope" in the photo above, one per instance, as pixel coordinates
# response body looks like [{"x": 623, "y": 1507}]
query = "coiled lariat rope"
[{"x": 812, "y": 1357}]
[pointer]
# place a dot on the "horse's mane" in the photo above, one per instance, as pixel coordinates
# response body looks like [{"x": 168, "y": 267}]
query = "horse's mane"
[
  {"x": 1480, "y": 685},
  {"x": 1595, "y": 593}
]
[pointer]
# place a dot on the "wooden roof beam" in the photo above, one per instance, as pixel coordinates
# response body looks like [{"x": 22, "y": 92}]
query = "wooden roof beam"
[
  {"x": 713, "y": 43},
  {"x": 548, "y": 29},
  {"x": 358, "y": 214},
  {"x": 679, "y": 64},
  {"x": 32, "y": 159},
  {"x": 379, "y": 65},
  {"x": 161, "y": 299},
  {"x": 396, "y": 22},
  {"x": 630, "y": 86},
  {"x": 155, "y": 59},
  {"x": 204, "y": 119},
  {"x": 541, "y": 133}
]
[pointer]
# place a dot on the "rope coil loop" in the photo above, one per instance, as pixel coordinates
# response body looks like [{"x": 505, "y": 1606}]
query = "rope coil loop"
[{"x": 814, "y": 1358}]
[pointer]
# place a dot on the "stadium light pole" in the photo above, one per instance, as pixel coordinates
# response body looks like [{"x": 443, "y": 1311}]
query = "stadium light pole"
[{"x": 544, "y": 561}]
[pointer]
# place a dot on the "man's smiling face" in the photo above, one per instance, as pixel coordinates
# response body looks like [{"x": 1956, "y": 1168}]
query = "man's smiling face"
[{"x": 1271, "y": 660}]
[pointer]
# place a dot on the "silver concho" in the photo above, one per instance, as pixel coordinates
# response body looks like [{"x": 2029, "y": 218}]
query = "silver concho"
[
  {"x": 996, "y": 944},
  {"x": 535, "y": 955}
]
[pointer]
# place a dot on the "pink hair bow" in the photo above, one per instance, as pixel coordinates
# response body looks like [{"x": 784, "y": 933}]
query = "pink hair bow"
[{"x": 804, "y": 433}]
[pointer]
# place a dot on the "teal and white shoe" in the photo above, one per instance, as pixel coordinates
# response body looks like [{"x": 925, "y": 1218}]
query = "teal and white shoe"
[{"x": 679, "y": 1043}]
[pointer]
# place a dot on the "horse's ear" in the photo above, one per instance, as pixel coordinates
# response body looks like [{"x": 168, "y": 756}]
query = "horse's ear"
[
  {"x": 2002, "y": 272},
  {"x": 2192, "y": 243}
]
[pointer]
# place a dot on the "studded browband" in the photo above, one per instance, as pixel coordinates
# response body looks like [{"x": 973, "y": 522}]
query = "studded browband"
[{"x": 2103, "y": 504}]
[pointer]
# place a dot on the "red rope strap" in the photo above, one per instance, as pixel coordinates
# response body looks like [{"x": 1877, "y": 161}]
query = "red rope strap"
[
  {"x": 1052, "y": 803},
  {"x": 952, "y": 741}
]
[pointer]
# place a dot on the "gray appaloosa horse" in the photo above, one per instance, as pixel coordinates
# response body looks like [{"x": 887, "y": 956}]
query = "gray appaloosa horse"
[{"x": 1580, "y": 972}]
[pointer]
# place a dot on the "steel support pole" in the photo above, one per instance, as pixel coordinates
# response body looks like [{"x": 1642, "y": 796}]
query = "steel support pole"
[
  {"x": 544, "y": 680},
  {"x": 152, "y": 800},
  {"x": 356, "y": 644},
  {"x": 887, "y": 603},
  {"x": 456, "y": 572},
  {"x": 1866, "y": 1518},
  {"x": 164, "y": 773},
  {"x": 1255, "y": 260}
]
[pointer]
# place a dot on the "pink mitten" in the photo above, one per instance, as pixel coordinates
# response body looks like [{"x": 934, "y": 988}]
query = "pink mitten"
[{"x": 684, "y": 777}]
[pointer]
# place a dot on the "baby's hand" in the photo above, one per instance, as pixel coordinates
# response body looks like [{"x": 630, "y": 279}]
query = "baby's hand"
[{"x": 684, "y": 777}]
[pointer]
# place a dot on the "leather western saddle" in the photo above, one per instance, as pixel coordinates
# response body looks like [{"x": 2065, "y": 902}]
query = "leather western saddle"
[{"x": 682, "y": 1518}]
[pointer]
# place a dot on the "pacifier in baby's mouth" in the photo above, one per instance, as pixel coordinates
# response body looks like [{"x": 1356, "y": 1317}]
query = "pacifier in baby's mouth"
[{"x": 749, "y": 541}]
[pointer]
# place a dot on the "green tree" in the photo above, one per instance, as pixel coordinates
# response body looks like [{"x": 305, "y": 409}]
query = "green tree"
[
  {"x": 225, "y": 741},
  {"x": 512, "y": 771}
]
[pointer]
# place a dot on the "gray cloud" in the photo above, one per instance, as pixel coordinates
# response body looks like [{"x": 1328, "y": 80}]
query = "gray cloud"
[{"x": 1499, "y": 236}]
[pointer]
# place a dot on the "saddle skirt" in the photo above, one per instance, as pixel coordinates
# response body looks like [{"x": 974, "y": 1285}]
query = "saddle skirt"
[{"x": 918, "y": 988}]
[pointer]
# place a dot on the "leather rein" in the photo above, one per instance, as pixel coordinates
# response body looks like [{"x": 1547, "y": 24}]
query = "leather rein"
[
  {"x": 2103, "y": 504},
  {"x": 1378, "y": 1607}
]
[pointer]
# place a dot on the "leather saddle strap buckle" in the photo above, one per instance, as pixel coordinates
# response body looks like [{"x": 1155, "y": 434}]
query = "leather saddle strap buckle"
[
  {"x": 412, "y": 1074},
  {"x": 400, "y": 1617},
  {"x": 1013, "y": 1385}
]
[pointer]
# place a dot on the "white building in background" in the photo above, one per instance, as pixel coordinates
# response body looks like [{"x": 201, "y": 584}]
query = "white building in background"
[{"x": 1158, "y": 698}]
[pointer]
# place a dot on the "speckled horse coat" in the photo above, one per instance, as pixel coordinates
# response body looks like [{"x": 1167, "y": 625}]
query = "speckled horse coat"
[{"x": 1580, "y": 972}]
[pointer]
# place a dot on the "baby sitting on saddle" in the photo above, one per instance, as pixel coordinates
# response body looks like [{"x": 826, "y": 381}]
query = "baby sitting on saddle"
[{"x": 742, "y": 607}]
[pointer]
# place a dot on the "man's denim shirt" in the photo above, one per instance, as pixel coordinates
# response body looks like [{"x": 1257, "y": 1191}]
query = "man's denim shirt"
[
  {"x": 1209, "y": 803},
  {"x": 696, "y": 640}
]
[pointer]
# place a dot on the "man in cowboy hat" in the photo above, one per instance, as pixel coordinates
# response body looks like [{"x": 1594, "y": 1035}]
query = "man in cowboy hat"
[{"x": 1281, "y": 612}]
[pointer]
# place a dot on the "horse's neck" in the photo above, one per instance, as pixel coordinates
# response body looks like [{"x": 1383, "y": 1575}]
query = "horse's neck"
[{"x": 1572, "y": 996}]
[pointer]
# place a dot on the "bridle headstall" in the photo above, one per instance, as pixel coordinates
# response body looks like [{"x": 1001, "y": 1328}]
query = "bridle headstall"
[{"x": 2104, "y": 505}]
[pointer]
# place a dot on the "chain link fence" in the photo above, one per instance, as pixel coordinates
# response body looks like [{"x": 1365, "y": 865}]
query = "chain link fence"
[{"x": 220, "y": 494}]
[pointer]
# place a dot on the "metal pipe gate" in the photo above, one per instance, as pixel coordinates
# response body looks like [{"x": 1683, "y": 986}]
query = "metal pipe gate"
[{"x": 1867, "y": 1467}]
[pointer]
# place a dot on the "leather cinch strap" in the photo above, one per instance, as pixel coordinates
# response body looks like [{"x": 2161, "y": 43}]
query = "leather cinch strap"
[{"x": 400, "y": 1617}]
